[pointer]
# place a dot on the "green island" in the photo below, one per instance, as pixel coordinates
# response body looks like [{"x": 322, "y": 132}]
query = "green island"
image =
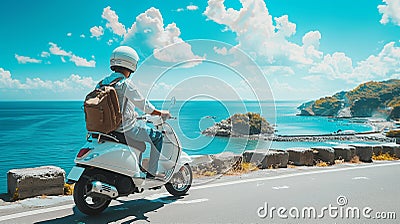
[{"x": 366, "y": 100}]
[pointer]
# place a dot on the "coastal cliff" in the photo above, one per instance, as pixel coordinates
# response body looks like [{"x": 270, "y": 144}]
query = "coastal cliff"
[
  {"x": 365, "y": 100},
  {"x": 240, "y": 124}
]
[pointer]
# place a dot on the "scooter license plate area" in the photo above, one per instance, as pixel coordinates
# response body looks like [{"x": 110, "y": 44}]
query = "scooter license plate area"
[{"x": 75, "y": 173}]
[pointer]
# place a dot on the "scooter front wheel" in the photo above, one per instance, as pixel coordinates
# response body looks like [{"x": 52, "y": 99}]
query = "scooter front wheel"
[
  {"x": 86, "y": 203},
  {"x": 181, "y": 181}
]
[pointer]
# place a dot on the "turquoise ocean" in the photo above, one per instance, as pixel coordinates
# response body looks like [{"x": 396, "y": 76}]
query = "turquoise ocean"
[{"x": 51, "y": 133}]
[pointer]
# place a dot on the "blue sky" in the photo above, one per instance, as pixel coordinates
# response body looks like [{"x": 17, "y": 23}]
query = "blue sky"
[{"x": 304, "y": 49}]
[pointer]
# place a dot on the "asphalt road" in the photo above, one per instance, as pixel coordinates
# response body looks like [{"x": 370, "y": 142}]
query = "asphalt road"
[{"x": 339, "y": 194}]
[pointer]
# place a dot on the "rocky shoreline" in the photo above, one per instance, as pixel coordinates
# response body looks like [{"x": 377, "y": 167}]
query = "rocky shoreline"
[{"x": 225, "y": 129}]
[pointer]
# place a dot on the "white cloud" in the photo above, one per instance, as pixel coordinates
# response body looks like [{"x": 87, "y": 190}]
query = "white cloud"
[
  {"x": 73, "y": 82},
  {"x": 82, "y": 36},
  {"x": 79, "y": 61},
  {"x": 382, "y": 66},
  {"x": 54, "y": 49},
  {"x": 311, "y": 45},
  {"x": 312, "y": 38},
  {"x": 221, "y": 51},
  {"x": 163, "y": 86},
  {"x": 97, "y": 31},
  {"x": 6, "y": 81},
  {"x": 390, "y": 11},
  {"x": 148, "y": 35},
  {"x": 192, "y": 7},
  {"x": 112, "y": 21},
  {"x": 82, "y": 62},
  {"x": 109, "y": 42},
  {"x": 313, "y": 78},
  {"x": 285, "y": 27},
  {"x": 282, "y": 87},
  {"x": 69, "y": 34},
  {"x": 278, "y": 70},
  {"x": 334, "y": 66},
  {"x": 25, "y": 59},
  {"x": 259, "y": 37},
  {"x": 45, "y": 54}
]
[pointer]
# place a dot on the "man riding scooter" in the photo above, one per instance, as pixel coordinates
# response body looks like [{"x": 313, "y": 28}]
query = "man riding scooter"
[
  {"x": 123, "y": 63},
  {"x": 108, "y": 166}
]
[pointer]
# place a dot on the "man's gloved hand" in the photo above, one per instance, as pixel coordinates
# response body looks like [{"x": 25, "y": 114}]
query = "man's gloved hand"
[{"x": 165, "y": 114}]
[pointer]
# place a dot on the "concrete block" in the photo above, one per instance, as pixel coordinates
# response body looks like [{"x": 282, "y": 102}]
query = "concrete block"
[
  {"x": 377, "y": 149},
  {"x": 392, "y": 148},
  {"x": 254, "y": 156},
  {"x": 301, "y": 156},
  {"x": 200, "y": 159},
  {"x": 364, "y": 152},
  {"x": 345, "y": 152},
  {"x": 201, "y": 163},
  {"x": 324, "y": 154},
  {"x": 224, "y": 161},
  {"x": 31, "y": 182},
  {"x": 276, "y": 159},
  {"x": 267, "y": 158}
]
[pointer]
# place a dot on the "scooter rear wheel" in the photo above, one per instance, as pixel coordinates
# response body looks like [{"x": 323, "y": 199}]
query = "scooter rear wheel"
[
  {"x": 90, "y": 205},
  {"x": 180, "y": 182}
]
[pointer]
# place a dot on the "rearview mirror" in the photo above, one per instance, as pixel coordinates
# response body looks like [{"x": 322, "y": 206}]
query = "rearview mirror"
[{"x": 172, "y": 102}]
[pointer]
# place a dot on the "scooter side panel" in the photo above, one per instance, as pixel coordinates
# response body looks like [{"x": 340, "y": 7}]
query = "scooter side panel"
[{"x": 112, "y": 156}]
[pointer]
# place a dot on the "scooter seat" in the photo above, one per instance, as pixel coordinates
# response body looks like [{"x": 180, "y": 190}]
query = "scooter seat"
[{"x": 120, "y": 137}]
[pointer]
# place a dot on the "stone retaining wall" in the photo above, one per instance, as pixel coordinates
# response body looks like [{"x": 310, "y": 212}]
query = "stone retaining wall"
[
  {"x": 30, "y": 182},
  {"x": 267, "y": 159},
  {"x": 344, "y": 152},
  {"x": 49, "y": 180},
  {"x": 301, "y": 156},
  {"x": 324, "y": 154},
  {"x": 275, "y": 158}
]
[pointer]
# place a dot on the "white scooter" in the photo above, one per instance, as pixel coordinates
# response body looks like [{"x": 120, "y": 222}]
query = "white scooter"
[{"x": 106, "y": 168}]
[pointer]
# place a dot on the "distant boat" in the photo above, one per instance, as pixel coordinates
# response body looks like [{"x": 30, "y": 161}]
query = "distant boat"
[
  {"x": 345, "y": 132},
  {"x": 349, "y": 132}
]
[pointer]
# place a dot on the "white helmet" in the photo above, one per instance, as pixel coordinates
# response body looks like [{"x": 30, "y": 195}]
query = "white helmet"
[{"x": 124, "y": 56}]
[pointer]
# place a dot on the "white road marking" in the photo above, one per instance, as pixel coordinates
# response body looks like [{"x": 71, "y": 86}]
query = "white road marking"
[
  {"x": 70, "y": 206},
  {"x": 190, "y": 201},
  {"x": 36, "y": 212},
  {"x": 280, "y": 187},
  {"x": 360, "y": 178}
]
